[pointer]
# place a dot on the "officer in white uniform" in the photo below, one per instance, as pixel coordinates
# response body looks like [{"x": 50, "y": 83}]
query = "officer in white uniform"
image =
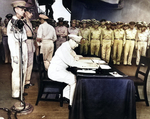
[
  {"x": 64, "y": 57},
  {"x": 14, "y": 36},
  {"x": 142, "y": 42}
]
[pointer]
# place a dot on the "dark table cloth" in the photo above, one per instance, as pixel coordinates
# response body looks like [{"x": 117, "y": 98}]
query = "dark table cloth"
[{"x": 101, "y": 98}]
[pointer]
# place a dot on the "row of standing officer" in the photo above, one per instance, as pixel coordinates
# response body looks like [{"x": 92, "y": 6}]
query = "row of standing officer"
[{"x": 116, "y": 35}]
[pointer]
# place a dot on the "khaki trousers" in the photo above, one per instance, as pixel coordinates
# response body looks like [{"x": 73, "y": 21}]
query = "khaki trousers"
[
  {"x": 106, "y": 49},
  {"x": 128, "y": 51},
  {"x": 117, "y": 50},
  {"x": 47, "y": 49},
  {"x": 84, "y": 47},
  {"x": 141, "y": 51},
  {"x": 95, "y": 47}
]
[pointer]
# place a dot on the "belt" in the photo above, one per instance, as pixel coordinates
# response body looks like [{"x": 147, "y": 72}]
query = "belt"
[
  {"x": 118, "y": 38},
  {"x": 29, "y": 37},
  {"x": 5, "y": 36},
  {"x": 131, "y": 39},
  {"x": 95, "y": 39},
  {"x": 107, "y": 39},
  {"x": 141, "y": 41},
  {"x": 62, "y": 36}
]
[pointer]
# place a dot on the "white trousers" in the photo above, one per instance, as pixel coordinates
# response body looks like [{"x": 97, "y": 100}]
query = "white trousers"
[
  {"x": 62, "y": 75},
  {"x": 16, "y": 71},
  {"x": 141, "y": 51}
]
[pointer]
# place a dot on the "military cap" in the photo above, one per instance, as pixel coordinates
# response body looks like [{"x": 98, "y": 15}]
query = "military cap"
[
  {"x": 9, "y": 16},
  {"x": 96, "y": 22},
  {"x": 42, "y": 16},
  {"x": 144, "y": 24},
  {"x": 107, "y": 22},
  {"x": 75, "y": 38},
  {"x": 119, "y": 23},
  {"x": 93, "y": 20},
  {"x": 131, "y": 23},
  {"x": 18, "y": 3},
  {"x": 84, "y": 21},
  {"x": 103, "y": 20},
  {"x": 73, "y": 21},
  {"x": 77, "y": 20},
  {"x": 60, "y": 19},
  {"x": 113, "y": 24},
  {"x": 88, "y": 20},
  {"x": 126, "y": 24}
]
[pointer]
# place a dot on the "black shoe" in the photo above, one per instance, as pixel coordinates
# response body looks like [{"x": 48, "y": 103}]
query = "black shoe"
[
  {"x": 69, "y": 107},
  {"x": 25, "y": 94},
  {"x": 66, "y": 100},
  {"x": 28, "y": 85}
]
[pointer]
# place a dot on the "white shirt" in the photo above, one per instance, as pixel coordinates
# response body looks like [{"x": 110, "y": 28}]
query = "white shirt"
[
  {"x": 63, "y": 58},
  {"x": 46, "y": 31}
]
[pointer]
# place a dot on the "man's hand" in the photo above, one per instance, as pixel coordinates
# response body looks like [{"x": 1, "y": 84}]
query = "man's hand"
[
  {"x": 39, "y": 39},
  {"x": 15, "y": 59}
]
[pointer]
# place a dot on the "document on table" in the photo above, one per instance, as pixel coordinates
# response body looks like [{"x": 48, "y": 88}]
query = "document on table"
[
  {"x": 104, "y": 66},
  {"x": 115, "y": 74},
  {"x": 86, "y": 71}
]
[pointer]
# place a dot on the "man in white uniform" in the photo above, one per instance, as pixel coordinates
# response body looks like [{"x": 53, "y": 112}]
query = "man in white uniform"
[
  {"x": 64, "y": 57},
  {"x": 142, "y": 42},
  {"x": 15, "y": 34},
  {"x": 47, "y": 35}
]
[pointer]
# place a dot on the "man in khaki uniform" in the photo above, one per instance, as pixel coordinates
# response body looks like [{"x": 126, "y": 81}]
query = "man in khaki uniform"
[
  {"x": 119, "y": 41},
  {"x": 85, "y": 33},
  {"x": 30, "y": 45},
  {"x": 142, "y": 42},
  {"x": 47, "y": 35},
  {"x": 129, "y": 45},
  {"x": 73, "y": 29},
  {"x": 95, "y": 39},
  {"x": 107, "y": 39},
  {"x": 61, "y": 32}
]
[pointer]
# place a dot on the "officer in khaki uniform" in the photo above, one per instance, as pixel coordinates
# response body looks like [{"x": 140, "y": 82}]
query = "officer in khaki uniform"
[
  {"x": 130, "y": 41},
  {"x": 73, "y": 29},
  {"x": 119, "y": 41},
  {"x": 95, "y": 39},
  {"x": 107, "y": 39},
  {"x": 85, "y": 33},
  {"x": 61, "y": 32},
  {"x": 142, "y": 42}
]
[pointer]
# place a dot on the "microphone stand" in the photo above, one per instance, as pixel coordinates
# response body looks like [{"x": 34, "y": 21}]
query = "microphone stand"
[{"x": 21, "y": 108}]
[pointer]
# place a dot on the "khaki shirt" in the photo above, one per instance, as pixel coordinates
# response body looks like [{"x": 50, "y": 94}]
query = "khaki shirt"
[
  {"x": 130, "y": 33},
  {"x": 96, "y": 34},
  {"x": 107, "y": 35},
  {"x": 85, "y": 33},
  {"x": 119, "y": 33}
]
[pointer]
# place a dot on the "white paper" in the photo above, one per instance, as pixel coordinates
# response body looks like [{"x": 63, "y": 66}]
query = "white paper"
[
  {"x": 115, "y": 74},
  {"x": 105, "y": 67},
  {"x": 86, "y": 71}
]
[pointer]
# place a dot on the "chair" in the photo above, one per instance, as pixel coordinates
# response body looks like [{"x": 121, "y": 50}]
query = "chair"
[
  {"x": 140, "y": 78},
  {"x": 48, "y": 89}
]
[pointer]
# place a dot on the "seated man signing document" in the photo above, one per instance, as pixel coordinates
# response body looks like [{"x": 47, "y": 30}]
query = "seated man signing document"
[{"x": 64, "y": 57}]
